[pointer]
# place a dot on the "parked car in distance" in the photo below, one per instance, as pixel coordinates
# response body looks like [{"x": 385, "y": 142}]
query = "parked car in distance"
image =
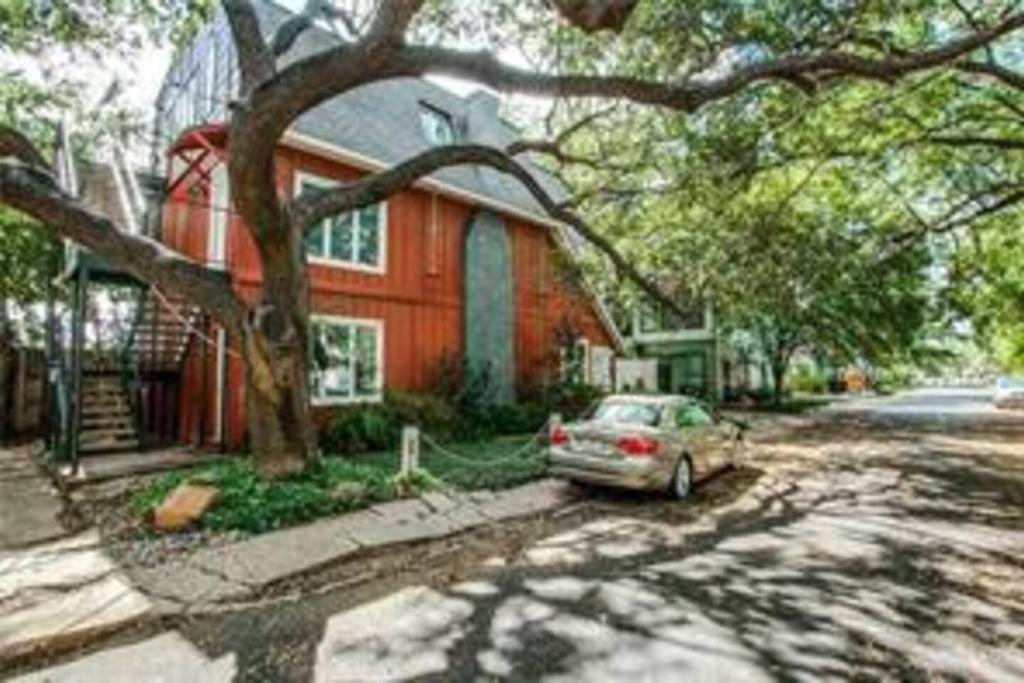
[
  {"x": 650, "y": 442},
  {"x": 1009, "y": 392}
]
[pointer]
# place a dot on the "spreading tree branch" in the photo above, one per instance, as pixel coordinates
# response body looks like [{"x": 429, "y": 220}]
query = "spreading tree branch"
[
  {"x": 596, "y": 15},
  {"x": 310, "y": 208},
  {"x": 987, "y": 141},
  {"x": 688, "y": 95},
  {"x": 255, "y": 61},
  {"x": 14, "y": 144},
  {"x": 35, "y": 193},
  {"x": 991, "y": 69}
]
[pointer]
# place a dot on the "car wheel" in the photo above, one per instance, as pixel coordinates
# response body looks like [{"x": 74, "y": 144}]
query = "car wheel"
[{"x": 682, "y": 481}]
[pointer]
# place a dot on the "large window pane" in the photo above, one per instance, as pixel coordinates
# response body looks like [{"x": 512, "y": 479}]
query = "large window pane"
[
  {"x": 341, "y": 238},
  {"x": 345, "y": 361},
  {"x": 369, "y": 236},
  {"x": 366, "y": 361},
  {"x": 336, "y": 361},
  {"x": 315, "y": 241}
]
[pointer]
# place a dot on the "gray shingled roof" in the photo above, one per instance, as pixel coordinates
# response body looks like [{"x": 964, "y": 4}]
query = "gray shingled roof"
[{"x": 382, "y": 121}]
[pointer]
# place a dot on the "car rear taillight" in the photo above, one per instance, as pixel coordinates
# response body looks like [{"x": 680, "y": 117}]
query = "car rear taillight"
[
  {"x": 559, "y": 437},
  {"x": 637, "y": 445}
]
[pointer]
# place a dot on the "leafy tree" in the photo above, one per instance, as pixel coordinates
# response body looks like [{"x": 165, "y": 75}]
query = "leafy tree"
[{"x": 679, "y": 57}]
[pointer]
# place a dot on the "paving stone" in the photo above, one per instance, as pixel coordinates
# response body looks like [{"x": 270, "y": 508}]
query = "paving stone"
[
  {"x": 528, "y": 499},
  {"x": 466, "y": 517},
  {"x": 372, "y": 531},
  {"x": 30, "y": 507},
  {"x": 67, "y": 617},
  {"x": 167, "y": 658},
  {"x": 440, "y": 502},
  {"x": 267, "y": 558},
  {"x": 183, "y": 585},
  {"x": 54, "y": 571},
  {"x": 411, "y": 508}
]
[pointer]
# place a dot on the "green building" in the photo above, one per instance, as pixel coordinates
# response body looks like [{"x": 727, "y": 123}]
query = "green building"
[{"x": 686, "y": 349}]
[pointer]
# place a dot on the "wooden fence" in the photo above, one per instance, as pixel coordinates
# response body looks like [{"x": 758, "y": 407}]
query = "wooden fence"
[{"x": 23, "y": 406}]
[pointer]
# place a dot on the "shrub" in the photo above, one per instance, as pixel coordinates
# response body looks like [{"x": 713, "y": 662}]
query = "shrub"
[
  {"x": 248, "y": 503},
  {"x": 362, "y": 428},
  {"x": 515, "y": 418},
  {"x": 428, "y": 412},
  {"x": 807, "y": 379},
  {"x": 571, "y": 399}
]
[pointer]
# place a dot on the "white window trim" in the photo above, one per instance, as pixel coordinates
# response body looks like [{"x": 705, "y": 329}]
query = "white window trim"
[
  {"x": 220, "y": 219},
  {"x": 303, "y": 177},
  {"x": 378, "y": 325}
]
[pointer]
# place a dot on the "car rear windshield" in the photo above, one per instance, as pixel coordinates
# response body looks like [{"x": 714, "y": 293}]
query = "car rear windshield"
[
  {"x": 627, "y": 412},
  {"x": 1011, "y": 383}
]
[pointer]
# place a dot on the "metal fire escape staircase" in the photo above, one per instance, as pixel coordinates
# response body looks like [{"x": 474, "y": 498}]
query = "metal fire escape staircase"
[
  {"x": 118, "y": 389},
  {"x": 121, "y": 410}
]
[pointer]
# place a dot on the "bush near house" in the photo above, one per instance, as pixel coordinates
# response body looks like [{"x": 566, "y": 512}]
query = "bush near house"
[
  {"x": 454, "y": 418},
  {"x": 361, "y": 444},
  {"x": 807, "y": 379}
]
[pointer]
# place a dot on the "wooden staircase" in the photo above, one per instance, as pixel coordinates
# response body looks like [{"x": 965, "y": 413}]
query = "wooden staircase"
[{"x": 108, "y": 423}]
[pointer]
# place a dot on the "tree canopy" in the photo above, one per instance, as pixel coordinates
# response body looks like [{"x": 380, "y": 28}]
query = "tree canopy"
[{"x": 676, "y": 70}]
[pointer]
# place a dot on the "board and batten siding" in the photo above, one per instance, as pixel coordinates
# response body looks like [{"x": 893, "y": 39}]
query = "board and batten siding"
[{"x": 418, "y": 297}]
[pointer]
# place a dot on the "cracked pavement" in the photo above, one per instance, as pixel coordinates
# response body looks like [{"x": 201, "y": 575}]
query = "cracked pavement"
[{"x": 883, "y": 541}]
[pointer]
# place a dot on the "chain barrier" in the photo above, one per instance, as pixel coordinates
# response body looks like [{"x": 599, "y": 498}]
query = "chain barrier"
[{"x": 537, "y": 439}]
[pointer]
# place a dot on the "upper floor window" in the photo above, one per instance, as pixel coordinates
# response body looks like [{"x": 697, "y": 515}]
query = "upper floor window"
[
  {"x": 357, "y": 239},
  {"x": 437, "y": 126},
  {"x": 657, "y": 318}
]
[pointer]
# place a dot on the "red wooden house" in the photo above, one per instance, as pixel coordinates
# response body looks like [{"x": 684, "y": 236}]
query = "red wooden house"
[{"x": 463, "y": 265}]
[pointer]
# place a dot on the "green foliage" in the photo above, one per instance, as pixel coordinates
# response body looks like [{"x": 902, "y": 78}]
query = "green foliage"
[
  {"x": 356, "y": 429},
  {"x": 415, "y": 483},
  {"x": 452, "y": 412},
  {"x": 28, "y": 258},
  {"x": 807, "y": 379},
  {"x": 254, "y": 505}
]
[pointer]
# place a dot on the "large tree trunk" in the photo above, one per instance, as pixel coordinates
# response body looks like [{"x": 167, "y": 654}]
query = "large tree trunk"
[
  {"x": 779, "y": 367},
  {"x": 282, "y": 436},
  {"x": 280, "y": 428}
]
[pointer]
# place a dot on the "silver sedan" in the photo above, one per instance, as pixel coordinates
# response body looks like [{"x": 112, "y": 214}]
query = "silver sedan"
[{"x": 645, "y": 442}]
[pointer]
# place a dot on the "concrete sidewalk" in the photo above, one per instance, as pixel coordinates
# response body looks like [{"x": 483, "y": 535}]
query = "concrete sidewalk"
[
  {"x": 57, "y": 594},
  {"x": 207, "y": 579},
  {"x": 30, "y": 506},
  {"x": 55, "y": 589}
]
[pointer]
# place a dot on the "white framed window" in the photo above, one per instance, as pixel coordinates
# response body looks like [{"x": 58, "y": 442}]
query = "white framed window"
[
  {"x": 356, "y": 240},
  {"x": 220, "y": 208},
  {"x": 575, "y": 361},
  {"x": 347, "y": 358},
  {"x": 437, "y": 126}
]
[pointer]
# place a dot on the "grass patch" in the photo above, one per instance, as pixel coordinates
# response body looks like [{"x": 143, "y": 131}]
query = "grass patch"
[{"x": 339, "y": 484}]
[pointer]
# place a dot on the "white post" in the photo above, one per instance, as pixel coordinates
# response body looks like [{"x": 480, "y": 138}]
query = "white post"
[
  {"x": 410, "y": 450},
  {"x": 554, "y": 422}
]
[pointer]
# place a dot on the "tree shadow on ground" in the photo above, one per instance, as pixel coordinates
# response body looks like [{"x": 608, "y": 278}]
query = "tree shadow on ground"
[{"x": 872, "y": 568}]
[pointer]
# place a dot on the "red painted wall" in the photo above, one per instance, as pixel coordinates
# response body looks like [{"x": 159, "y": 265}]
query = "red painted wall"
[{"x": 419, "y": 297}]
